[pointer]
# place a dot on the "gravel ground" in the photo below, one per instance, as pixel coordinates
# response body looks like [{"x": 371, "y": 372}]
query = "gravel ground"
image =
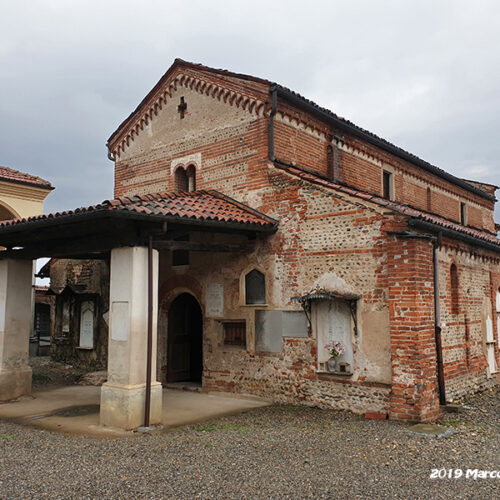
[{"x": 274, "y": 452}]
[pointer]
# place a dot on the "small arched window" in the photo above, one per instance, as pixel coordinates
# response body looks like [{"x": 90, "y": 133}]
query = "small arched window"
[
  {"x": 255, "y": 288},
  {"x": 191, "y": 177},
  {"x": 181, "y": 180},
  {"x": 429, "y": 199},
  {"x": 454, "y": 289},
  {"x": 185, "y": 178}
]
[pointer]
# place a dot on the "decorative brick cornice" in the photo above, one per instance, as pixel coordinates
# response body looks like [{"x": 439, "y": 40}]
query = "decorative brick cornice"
[
  {"x": 209, "y": 88},
  {"x": 300, "y": 124}
]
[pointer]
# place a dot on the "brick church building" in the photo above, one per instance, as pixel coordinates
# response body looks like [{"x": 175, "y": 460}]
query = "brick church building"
[{"x": 267, "y": 226}]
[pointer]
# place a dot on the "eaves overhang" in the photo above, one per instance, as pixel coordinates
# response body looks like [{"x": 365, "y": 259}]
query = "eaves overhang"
[
  {"x": 351, "y": 128},
  {"x": 451, "y": 233}
]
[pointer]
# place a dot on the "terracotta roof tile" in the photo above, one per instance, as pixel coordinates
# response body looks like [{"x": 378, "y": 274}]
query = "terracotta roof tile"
[
  {"x": 393, "y": 205},
  {"x": 11, "y": 175},
  {"x": 197, "y": 205}
]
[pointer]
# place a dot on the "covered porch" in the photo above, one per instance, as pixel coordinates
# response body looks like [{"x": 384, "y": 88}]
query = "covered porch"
[{"x": 129, "y": 233}]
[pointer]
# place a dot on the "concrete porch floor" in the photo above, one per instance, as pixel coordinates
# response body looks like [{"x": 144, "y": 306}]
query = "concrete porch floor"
[{"x": 75, "y": 409}]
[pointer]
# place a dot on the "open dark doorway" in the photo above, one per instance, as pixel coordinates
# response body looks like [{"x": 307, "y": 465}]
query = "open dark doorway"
[{"x": 184, "y": 340}]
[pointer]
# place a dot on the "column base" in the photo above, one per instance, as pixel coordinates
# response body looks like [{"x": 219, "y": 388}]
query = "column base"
[
  {"x": 15, "y": 382},
  {"x": 122, "y": 406}
]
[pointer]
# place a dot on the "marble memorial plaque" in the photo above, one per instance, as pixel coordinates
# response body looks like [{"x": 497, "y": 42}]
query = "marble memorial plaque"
[
  {"x": 87, "y": 325},
  {"x": 214, "y": 300}
]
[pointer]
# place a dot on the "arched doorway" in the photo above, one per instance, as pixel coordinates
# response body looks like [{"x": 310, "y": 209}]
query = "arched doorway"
[{"x": 184, "y": 340}]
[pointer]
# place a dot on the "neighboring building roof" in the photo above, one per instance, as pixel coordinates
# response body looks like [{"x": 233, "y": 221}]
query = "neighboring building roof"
[
  {"x": 207, "y": 206},
  {"x": 45, "y": 269},
  {"x": 395, "y": 206},
  {"x": 11, "y": 175},
  {"x": 310, "y": 106}
]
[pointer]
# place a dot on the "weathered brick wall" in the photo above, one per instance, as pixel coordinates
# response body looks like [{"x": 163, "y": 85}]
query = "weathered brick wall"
[
  {"x": 320, "y": 233},
  {"x": 464, "y": 326},
  {"x": 411, "y": 298},
  {"x": 225, "y": 143},
  {"x": 303, "y": 140},
  {"x": 300, "y": 145}
]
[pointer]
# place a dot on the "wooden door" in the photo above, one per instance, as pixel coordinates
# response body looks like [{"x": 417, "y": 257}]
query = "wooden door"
[{"x": 184, "y": 340}]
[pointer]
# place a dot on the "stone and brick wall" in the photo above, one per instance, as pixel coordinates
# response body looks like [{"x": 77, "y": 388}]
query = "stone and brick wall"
[
  {"x": 464, "y": 323},
  {"x": 322, "y": 233}
]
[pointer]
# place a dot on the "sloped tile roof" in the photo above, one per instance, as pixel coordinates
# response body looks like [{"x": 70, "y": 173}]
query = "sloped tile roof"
[
  {"x": 393, "y": 205},
  {"x": 11, "y": 175},
  {"x": 197, "y": 205},
  {"x": 339, "y": 121}
]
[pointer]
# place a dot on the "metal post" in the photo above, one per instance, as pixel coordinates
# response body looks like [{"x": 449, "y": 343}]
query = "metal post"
[
  {"x": 437, "y": 325},
  {"x": 147, "y": 409}
]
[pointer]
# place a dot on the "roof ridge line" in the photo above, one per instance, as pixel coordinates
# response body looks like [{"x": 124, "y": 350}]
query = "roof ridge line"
[{"x": 29, "y": 179}]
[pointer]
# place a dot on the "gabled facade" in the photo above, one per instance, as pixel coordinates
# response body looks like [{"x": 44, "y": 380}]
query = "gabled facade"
[{"x": 361, "y": 224}]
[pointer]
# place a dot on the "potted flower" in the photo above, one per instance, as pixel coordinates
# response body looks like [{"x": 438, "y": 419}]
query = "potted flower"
[{"x": 336, "y": 349}]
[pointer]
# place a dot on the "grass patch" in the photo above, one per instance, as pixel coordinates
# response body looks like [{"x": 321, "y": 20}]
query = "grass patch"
[
  {"x": 206, "y": 428},
  {"x": 7, "y": 437},
  {"x": 239, "y": 428},
  {"x": 453, "y": 422}
]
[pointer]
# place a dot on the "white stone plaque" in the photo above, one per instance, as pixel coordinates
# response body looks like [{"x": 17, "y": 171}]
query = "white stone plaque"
[
  {"x": 87, "y": 325},
  {"x": 120, "y": 321},
  {"x": 214, "y": 300}
]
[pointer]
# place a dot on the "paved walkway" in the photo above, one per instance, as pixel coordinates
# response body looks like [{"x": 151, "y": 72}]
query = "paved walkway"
[{"x": 75, "y": 409}]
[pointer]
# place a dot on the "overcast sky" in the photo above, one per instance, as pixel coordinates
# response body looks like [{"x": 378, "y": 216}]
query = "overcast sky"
[{"x": 422, "y": 74}]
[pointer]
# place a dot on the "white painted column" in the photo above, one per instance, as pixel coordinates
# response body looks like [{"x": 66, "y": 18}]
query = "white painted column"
[
  {"x": 123, "y": 395},
  {"x": 16, "y": 277}
]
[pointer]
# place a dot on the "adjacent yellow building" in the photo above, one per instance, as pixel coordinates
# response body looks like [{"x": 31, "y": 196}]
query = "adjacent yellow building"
[{"x": 21, "y": 195}]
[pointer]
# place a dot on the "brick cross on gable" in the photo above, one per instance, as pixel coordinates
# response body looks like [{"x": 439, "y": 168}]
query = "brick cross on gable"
[{"x": 182, "y": 107}]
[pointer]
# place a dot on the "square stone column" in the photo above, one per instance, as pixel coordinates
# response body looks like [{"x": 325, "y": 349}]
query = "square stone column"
[
  {"x": 123, "y": 395},
  {"x": 16, "y": 278}
]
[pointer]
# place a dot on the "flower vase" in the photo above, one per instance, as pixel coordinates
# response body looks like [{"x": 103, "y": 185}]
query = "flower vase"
[{"x": 332, "y": 364}]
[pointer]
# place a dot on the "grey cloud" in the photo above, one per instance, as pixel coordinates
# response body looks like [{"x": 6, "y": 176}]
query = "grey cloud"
[{"x": 425, "y": 75}]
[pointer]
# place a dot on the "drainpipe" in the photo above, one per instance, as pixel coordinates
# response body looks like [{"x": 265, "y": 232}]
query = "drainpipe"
[
  {"x": 437, "y": 322},
  {"x": 274, "y": 100},
  {"x": 149, "y": 356},
  {"x": 110, "y": 153}
]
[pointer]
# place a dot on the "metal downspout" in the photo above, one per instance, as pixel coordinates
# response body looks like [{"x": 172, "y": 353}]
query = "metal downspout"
[
  {"x": 274, "y": 100},
  {"x": 147, "y": 407},
  {"x": 437, "y": 323}
]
